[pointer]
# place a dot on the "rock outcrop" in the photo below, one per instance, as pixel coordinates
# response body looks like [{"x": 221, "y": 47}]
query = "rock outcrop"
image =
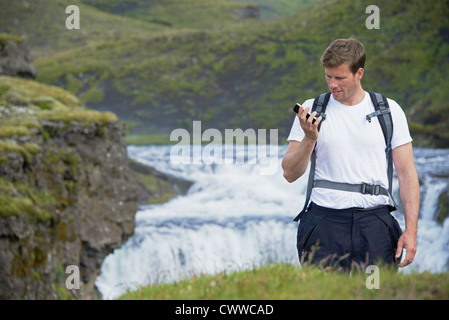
[
  {"x": 248, "y": 11},
  {"x": 15, "y": 58},
  {"x": 68, "y": 196}
]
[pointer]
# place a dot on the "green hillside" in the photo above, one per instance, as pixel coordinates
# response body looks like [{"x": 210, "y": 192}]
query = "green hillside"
[
  {"x": 184, "y": 13},
  {"x": 178, "y": 14},
  {"x": 44, "y": 25},
  {"x": 168, "y": 72}
]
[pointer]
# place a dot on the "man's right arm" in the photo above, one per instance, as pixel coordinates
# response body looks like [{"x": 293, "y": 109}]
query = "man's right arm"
[{"x": 297, "y": 157}]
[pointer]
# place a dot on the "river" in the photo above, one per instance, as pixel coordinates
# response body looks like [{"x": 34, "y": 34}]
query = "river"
[{"x": 237, "y": 216}]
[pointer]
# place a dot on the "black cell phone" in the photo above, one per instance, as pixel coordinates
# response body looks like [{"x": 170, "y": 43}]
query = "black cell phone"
[{"x": 296, "y": 109}]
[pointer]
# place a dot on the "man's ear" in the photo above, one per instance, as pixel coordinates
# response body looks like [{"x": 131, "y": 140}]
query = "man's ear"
[{"x": 359, "y": 73}]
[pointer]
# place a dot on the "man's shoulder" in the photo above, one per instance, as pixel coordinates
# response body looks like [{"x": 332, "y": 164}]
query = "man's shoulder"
[
  {"x": 389, "y": 100},
  {"x": 394, "y": 106},
  {"x": 392, "y": 102},
  {"x": 397, "y": 112}
]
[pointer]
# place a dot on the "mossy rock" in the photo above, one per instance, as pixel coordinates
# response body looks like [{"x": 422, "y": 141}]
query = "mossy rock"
[{"x": 443, "y": 206}]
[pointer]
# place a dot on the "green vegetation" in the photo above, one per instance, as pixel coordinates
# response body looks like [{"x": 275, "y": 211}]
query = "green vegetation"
[
  {"x": 169, "y": 72},
  {"x": 159, "y": 65},
  {"x": 16, "y": 199},
  {"x": 443, "y": 207},
  {"x": 196, "y": 14},
  {"x": 44, "y": 25},
  {"x": 271, "y": 10},
  {"x": 148, "y": 139},
  {"x": 27, "y": 150},
  {"x": 4, "y": 38},
  {"x": 288, "y": 282},
  {"x": 24, "y": 106},
  {"x": 160, "y": 189},
  {"x": 43, "y": 102}
]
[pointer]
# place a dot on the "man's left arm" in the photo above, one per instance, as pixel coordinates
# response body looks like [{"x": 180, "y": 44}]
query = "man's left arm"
[{"x": 409, "y": 192}]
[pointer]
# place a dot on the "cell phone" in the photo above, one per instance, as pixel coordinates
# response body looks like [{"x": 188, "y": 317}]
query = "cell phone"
[{"x": 296, "y": 109}]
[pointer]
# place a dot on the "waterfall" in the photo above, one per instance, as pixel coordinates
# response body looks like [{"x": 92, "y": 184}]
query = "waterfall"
[{"x": 234, "y": 217}]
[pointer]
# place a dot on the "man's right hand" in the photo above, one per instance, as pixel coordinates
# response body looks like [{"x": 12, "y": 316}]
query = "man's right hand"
[{"x": 309, "y": 126}]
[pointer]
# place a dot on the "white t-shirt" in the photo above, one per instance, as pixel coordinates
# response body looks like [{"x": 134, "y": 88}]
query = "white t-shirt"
[{"x": 352, "y": 150}]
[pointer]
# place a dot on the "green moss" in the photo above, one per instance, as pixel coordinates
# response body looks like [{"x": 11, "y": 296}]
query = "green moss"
[
  {"x": 46, "y": 103},
  {"x": 28, "y": 92},
  {"x": 36, "y": 275},
  {"x": 443, "y": 203},
  {"x": 93, "y": 94},
  {"x": 17, "y": 206},
  {"x": 20, "y": 199},
  {"x": 145, "y": 139},
  {"x": 61, "y": 292},
  {"x": 9, "y": 207},
  {"x": 61, "y": 232},
  {"x": 73, "y": 84},
  {"x": 7, "y": 147},
  {"x": 4, "y": 38},
  {"x": 80, "y": 114},
  {"x": 40, "y": 198},
  {"x": 27, "y": 150},
  {"x": 11, "y": 131},
  {"x": 32, "y": 148},
  {"x": 61, "y": 160},
  {"x": 161, "y": 198},
  {"x": 26, "y": 121}
]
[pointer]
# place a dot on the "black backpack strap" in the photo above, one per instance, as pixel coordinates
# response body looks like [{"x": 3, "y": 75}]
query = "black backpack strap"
[
  {"x": 383, "y": 114},
  {"x": 319, "y": 105}
]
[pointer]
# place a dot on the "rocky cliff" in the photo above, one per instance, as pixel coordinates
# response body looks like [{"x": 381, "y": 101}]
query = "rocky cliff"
[
  {"x": 68, "y": 195},
  {"x": 15, "y": 57}
]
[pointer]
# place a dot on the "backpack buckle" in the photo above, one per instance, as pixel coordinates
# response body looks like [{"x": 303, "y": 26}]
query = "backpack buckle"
[{"x": 373, "y": 190}]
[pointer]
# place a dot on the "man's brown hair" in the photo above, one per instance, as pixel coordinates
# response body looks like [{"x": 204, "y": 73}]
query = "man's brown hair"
[{"x": 342, "y": 51}]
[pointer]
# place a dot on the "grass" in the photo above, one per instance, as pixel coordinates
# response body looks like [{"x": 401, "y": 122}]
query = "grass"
[
  {"x": 17, "y": 91},
  {"x": 45, "y": 28},
  {"x": 27, "y": 150},
  {"x": 17, "y": 199},
  {"x": 271, "y": 10},
  {"x": 288, "y": 282},
  {"x": 191, "y": 14},
  {"x": 147, "y": 139},
  {"x": 41, "y": 102}
]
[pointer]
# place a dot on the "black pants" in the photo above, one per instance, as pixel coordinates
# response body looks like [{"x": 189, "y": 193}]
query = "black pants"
[{"x": 348, "y": 238}]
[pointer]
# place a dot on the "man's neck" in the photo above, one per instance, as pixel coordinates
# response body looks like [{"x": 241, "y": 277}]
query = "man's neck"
[{"x": 355, "y": 99}]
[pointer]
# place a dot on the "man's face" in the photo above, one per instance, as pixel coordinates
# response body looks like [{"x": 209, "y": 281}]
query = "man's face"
[{"x": 342, "y": 83}]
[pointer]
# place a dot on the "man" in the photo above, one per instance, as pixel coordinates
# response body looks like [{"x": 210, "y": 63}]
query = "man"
[{"x": 340, "y": 228}]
